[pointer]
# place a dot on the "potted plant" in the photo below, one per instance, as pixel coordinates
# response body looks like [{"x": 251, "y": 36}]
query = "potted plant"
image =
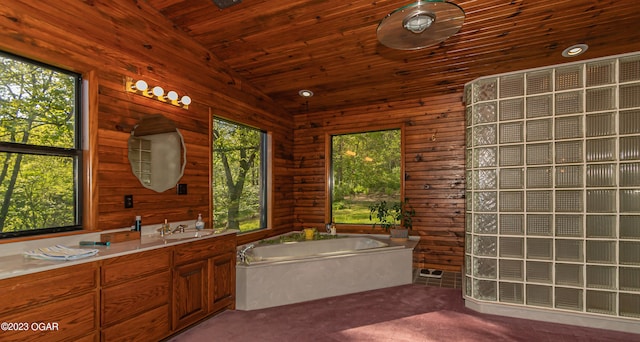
[{"x": 396, "y": 218}]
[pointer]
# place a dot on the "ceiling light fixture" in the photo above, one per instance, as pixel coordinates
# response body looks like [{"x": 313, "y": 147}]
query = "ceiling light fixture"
[
  {"x": 575, "y": 50},
  {"x": 305, "y": 93},
  {"x": 420, "y": 24}
]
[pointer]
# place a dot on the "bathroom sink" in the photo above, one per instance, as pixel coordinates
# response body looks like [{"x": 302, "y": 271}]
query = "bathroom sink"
[{"x": 190, "y": 234}]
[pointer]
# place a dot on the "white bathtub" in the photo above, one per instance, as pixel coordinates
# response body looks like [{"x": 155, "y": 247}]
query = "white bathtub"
[{"x": 301, "y": 271}]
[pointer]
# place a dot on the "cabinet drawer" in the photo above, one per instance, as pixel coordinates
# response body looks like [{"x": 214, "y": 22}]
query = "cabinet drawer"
[
  {"x": 127, "y": 300},
  {"x": 68, "y": 320},
  {"x": 152, "y": 325},
  {"x": 131, "y": 266},
  {"x": 205, "y": 248},
  {"x": 42, "y": 287}
]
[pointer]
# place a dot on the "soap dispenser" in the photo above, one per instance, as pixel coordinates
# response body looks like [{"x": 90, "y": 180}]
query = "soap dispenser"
[{"x": 199, "y": 223}]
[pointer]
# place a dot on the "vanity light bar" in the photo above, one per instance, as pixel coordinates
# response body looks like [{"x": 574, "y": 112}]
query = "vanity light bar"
[{"x": 141, "y": 87}]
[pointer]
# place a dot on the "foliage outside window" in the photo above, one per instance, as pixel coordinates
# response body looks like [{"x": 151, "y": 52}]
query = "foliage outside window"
[
  {"x": 40, "y": 148},
  {"x": 365, "y": 168},
  {"x": 239, "y": 173}
]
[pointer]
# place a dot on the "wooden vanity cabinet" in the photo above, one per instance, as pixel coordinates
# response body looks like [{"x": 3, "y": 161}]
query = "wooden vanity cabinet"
[
  {"x": 204, "y": 279},
  {"x": 55, "y": 305},
  {"x": 143, "y": 296},
  {"x": 222, "y": 287},
  {"x": 136, "y": 296}
]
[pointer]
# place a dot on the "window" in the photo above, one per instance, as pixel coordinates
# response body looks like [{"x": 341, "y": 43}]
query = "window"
[
  {"x": 239, "y": 174},
  {"x": 40, "y": 148},
  {"x": 365, "y": 168}
]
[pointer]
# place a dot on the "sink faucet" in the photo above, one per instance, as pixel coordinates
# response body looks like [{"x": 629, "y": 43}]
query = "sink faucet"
[
  {"x": 165, "y": 229},
  {"x": 242, "y": 253},
  {"x": 180, "y": 228}
]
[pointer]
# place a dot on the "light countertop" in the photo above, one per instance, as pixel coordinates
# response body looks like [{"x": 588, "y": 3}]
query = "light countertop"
[{"x": 14, "y": 263}]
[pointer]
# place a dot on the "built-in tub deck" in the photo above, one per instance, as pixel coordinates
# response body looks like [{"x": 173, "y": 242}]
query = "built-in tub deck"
[{"x": 280, "y": 274}]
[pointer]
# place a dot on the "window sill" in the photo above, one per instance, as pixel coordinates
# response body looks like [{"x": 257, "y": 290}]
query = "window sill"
[{"x": 44, "y": 236}]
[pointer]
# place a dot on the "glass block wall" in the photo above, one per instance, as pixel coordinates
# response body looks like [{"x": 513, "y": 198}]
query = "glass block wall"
[{"x": 553, "y": 188}]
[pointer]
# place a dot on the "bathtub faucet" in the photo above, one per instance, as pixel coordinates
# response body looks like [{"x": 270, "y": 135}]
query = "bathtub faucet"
[{"x": 242, "y": 253}]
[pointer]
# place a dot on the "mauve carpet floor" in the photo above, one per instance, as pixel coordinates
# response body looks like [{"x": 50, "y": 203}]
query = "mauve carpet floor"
[{"x": 404, "y": 313}]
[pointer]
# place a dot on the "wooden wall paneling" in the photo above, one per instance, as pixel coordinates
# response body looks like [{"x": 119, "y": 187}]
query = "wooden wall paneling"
[
  {"x": 434, "y": 170},
  {"x": 115, "y": 40}
]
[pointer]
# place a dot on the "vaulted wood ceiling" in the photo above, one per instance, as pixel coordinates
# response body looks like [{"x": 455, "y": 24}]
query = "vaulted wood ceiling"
[{"x": 330, "y": 46}]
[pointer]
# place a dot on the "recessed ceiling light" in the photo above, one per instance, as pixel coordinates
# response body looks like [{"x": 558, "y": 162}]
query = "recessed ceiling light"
[
  {"x": 305, "y": 93},
  {"x": 575, "y": 50}
]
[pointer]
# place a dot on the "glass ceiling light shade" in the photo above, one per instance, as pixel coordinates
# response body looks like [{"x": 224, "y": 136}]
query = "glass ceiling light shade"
[{"x": 420, "y": 24}]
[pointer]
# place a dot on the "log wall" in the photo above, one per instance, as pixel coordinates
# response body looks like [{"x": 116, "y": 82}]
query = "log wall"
[
  {"x": 434, "y": 170},
  {"x": 108, "y": 41}
]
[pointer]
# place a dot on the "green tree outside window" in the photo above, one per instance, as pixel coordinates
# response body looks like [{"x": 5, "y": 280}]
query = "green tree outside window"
[
  {"x": 365, "y": 168},
  {"x": 39, "y": 148},
  {"x": 239, "y": 173}
]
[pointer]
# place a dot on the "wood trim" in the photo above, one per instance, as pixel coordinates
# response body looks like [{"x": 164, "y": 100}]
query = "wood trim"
[
  {"x": 269, "y": 179},
  {"x": 328, "y": 179},
  {"x": 90, "y": 154},
  {"x": 403, "y": 144},
  {"x": 210, "y": 167}
]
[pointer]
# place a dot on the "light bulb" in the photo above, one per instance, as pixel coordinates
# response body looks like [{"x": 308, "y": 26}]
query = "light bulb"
[
  {"x": 575, "y": 50},
  {"x": 140, "y": 85},
  {"x": 186, "y": 100},
  {"x": 172, "y": 95},
  {"x": 158, "y": 91},
  {"x": 418, "y": 22},
  {"x": 305, "y": 93}
]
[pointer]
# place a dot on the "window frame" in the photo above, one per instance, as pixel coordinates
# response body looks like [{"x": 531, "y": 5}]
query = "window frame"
[
  {"x": 328, "y": 215},
  {"x": 265, "y": 170},
  {"x": 76, "y": 153}
]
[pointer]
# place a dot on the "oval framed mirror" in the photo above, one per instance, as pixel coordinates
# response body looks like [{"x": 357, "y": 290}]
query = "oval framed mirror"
[{"x": 157, "y": 153}]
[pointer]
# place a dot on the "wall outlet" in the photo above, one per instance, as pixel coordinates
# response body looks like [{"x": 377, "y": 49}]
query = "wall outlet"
[
  {"x": 128, "y": 201},
  {"x": 182, "y": 189}
]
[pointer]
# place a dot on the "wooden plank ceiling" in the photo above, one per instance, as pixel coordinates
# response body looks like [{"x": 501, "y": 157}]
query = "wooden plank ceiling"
[{"x": 330, "y": 46}]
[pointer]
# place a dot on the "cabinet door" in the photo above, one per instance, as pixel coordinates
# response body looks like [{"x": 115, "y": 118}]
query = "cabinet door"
[
  {"x": 189, "y": 293},
  {"x": 222, "y": 283},
  {"x": 64, "y": 320}
]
